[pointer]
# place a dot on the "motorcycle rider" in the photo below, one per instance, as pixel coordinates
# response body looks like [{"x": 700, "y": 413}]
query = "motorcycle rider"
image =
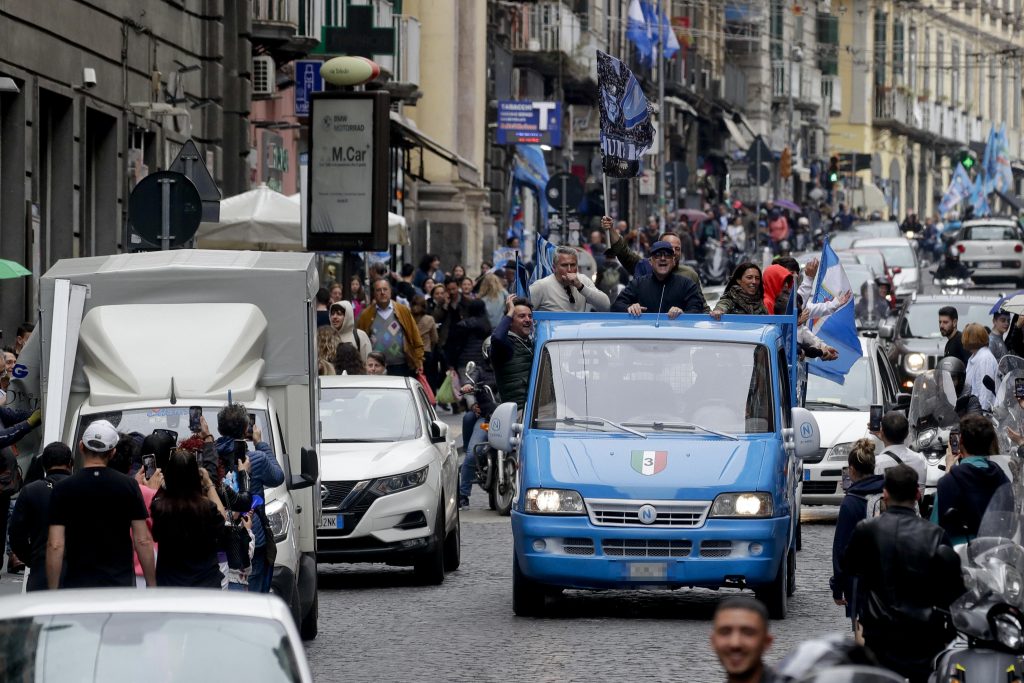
[
  {"x": 966, "y": 402},
  {"x": 907, "y": 571},
  {"x": 473, "y": 433},
  {"x": 951, "y": 267}
]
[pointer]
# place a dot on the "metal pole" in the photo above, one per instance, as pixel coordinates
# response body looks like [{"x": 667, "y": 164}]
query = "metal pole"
[
  {"x": 757, "y": 184},
  {"x": 607, "y": 201},
  {"x": 662, "y": 151},
  {"x": 165, "y": 213},
  {"x": 565, "y": 212},
  {"x": 789, "y": 131}
]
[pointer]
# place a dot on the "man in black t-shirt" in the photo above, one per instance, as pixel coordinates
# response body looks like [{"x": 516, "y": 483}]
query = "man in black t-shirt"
[
  {"x": 91, "y": 514},
  {"x": 948, "y": 319}
]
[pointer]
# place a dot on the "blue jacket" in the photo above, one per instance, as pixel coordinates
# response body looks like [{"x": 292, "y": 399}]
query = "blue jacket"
[
  {"x": 851, "y": 511},
  {"x": 264, "y": 471},
  {"x": 14, "y": 425}
]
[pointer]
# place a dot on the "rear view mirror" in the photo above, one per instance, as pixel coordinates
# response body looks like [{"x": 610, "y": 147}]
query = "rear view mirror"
[
  {"x": 310, "y": 471},
  {"x": 901, "y": 402},
  {"x": 438, "y": 431},
  {"x": 503, "y": 431},
  {"x": 886, "y": 330},
  {"x": 806, "y": 436}
]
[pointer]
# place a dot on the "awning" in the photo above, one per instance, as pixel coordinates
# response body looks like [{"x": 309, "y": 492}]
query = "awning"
[
  {"x": 680, "y": 103},
  {"x": 741, "y": 140},
  {"x": 802, "y": 172},
  {"x": 407, "y": 129}
]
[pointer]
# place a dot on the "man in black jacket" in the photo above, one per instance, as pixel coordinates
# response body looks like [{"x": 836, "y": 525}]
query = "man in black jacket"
[
  {"x": 662, "y": 292},
  {"x": 31, "y": 519},
  {"x": 906, "y": 570}
]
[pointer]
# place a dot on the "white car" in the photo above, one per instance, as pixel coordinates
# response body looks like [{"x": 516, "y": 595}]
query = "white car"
[
  {"x": 389, "y": 477},
  {"x": 172, "y": 635},
  {"x": 901, "y": 258},
  {"x": 993, "y": 248},
  {"x": 842, "y": 414}
]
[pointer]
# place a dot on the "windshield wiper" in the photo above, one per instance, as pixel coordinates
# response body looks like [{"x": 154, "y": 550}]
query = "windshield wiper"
[
  {"x": 688, "y": 426},
  {"x": 830, "y": 404},
  {"x": 355, "y": 440},
  {"x": 590, "y": 420}
]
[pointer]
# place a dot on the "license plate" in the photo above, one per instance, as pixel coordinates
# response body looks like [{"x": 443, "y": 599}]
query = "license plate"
[
  {"x": 807, "y": 475},
  {"x": 647, "y": 571},
  {"x": 332, "y": 522},
  {"x": 989, "y": 265}
]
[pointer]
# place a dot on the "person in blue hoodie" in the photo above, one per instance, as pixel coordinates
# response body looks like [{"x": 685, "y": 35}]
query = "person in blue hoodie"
[
  {"x": 232, "y": 423},
  {"x": 963, "y": 495},
  {"x": 852, "y": 510}
]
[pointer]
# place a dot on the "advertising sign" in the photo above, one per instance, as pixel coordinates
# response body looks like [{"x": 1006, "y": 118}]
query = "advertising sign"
[
  {"x": 526, "y": 122},
  {"x": 348, "y": 171},
  {"x": 307, "y": 82}
]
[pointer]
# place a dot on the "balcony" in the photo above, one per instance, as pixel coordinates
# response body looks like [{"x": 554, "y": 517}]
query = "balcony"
[
  {"x": 542, "y": 33},
  {"x": 832, "y": 94},
  {"x": 275, "y": 27},
  {"x": 404, "y": 65},
  {"x": 892, "y": 108},
  {"x": 803, "y": 82}
]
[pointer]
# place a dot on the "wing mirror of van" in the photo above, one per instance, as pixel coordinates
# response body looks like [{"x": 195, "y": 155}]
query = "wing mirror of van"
[
  {"x": 310, "y": 471},
  {"x": 901, "y": 402},
  {"x": 886, "y": 330},
  {"x": 438, "y": 432},
  {"x": 503, "y": 431},
  {"x": 806, "y": 438}
]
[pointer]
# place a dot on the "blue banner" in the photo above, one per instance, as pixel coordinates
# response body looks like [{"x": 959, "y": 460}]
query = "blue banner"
[{"x": 838, "y": 330}]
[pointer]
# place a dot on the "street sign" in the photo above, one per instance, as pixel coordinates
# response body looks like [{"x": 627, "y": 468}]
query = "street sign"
[
  {"x": 564, "y": 192},
  {"x": 527, "y": 122},
  {"x": 190, "y": 163},
  {"x": 165, "y": 208},
  {"x": 759, "y": 152},
  {"x": 307, "y": 81},
  {"x": 759, "y": 174}
]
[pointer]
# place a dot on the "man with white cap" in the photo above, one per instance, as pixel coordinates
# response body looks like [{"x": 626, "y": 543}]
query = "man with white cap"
[{"x": 91, "y": 514}]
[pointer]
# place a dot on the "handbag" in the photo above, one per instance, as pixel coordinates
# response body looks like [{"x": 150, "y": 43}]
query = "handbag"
[
  {"x": 445, "y": 395},
  {"x": 426, "y": 387},
  {"x": 11, "y": 478}
]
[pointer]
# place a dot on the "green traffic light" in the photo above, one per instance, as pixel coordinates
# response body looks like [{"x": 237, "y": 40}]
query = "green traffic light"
[
  {"x": 968, "y": 162},
  {"x": 833, "y": 177}
]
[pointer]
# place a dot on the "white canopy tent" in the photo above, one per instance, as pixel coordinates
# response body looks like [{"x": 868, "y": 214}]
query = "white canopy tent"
[{"x": 267, "y": 220}]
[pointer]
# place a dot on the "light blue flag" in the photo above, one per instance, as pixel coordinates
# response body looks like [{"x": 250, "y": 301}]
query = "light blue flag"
[
  {"x": 670, "y": 44},
  {"x": 960, "y": 187},
  {"x": 1001, "y": 175},
  {"x": 838, "y": 330},
  {"x": 979, "y": 196},
  {"x": 638, "y": 33}
]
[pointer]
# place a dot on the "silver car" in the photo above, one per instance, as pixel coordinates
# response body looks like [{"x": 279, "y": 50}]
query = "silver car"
[
  {"x": 993, "y": 248},
  {"x": 169, "y": 635},
  {"x": 901, "y": 258}
]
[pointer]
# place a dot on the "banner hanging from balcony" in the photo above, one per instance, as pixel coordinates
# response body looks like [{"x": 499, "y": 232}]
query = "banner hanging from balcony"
[{"x": 626, "y": 129}]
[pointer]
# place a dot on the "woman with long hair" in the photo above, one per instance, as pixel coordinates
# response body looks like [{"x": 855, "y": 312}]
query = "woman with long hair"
[
  {"x": 357, "y": 294},
  {"x": 458, "y": 272},
  {"x": 493, "y": 294},
  {"x": 348, "y": 361},
  {"x": 744, "y": 293},
  {"x": 327, "y": 340},
  {"x": 189, "y": 521}
]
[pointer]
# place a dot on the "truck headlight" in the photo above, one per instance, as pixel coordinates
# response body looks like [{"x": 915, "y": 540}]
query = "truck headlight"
[
  {"x": 915, "y": 362},
  {"x": 280, "y": 518},
  {"x": 753, "y": 504},
  {"x": 554, "y": 502},
  {"x": 841, "y": 451},
  {"x": 400, "y": 482}
]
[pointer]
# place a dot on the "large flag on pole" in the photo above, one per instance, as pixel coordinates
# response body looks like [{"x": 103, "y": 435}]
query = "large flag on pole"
[
  {"x": 960, "y": 187},
  {"x": 1000, "y": 176},
  {"x": 626, "y": 130},
  {"x": 838, "y": 330},
  {"x": 638, "y": 32},
  {"x": 979, "y": 196},
  {"x": 669, "y": 42}
]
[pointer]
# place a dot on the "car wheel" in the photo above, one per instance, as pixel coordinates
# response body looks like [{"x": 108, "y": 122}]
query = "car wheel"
[
  {"x": 453, "y": 545},
  {"x": 430, "y": 567},
  {"x": 775, "y": 595},
  {"x": 290, "y": 594},
  {"x": 528, "y": 597},
  {"x": 310, "y": 624},
  {"x": 799, "y": 535}
]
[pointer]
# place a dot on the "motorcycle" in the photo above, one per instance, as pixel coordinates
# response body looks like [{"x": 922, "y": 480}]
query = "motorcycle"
[
  {"x": 931, "y": 415},
  {"x": 989, "y": 616},
  {"x": 953, "y": 285},
  {"x": 495, "y": 470},
  {"x": 1008, "y": 410},
  {"x": 716, "y": 267},
  {"x": 833, "y": 659}
]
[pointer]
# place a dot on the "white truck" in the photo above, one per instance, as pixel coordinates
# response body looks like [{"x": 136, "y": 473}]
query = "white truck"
[{"x": 139, "y": 339}]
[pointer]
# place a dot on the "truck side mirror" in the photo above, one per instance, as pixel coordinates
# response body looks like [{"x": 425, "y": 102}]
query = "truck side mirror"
[
  {"x": 806, "y": 438},
  {"x": 503, "y": 431},
  {"x": 901, "y": 402},
  {"x": 310, "y": 471},
  {"x": 438, "y": 431},
  {"x": 886, "y": 330}
]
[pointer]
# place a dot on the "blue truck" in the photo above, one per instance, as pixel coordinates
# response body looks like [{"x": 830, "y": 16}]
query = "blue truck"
[{"x": 657, "y": 453}]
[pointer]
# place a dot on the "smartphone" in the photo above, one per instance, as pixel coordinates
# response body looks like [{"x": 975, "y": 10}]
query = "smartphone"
[
  {"x": 954, "y": 441},
  {"x": 241, "y": 451},
  {"x": 149, "y": 462},
  {"x": 847, "y": 482},
  {"x": 194, "y": 414},
  {"x": 252, "y": 424},
  {"x": 875, "y": 418},
  {"x": 1018, "y": 387}
]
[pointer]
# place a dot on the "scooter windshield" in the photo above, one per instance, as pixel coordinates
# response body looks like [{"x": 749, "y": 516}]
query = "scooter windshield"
[{"x": 932, "y": 405}]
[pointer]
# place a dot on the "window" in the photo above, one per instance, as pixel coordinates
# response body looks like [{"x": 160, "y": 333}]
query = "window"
[
  {"x": 371, "y": 414},
  {"x": 828, "y": 44},
  {"x": 857, "y": 391},
  {"x": 954, "y": 73},
  {"x": 940, "y": 63},
  {"x": 777, "y": 29},
  {"x": 881, "y": 46},
  {"x": 785, "y": 396},
  {"x": 1016, "y": 94},
  {"x": 992, "y": 69},
  {"x": 912, "y": 58},
  {"x": 898, "y": 49}
]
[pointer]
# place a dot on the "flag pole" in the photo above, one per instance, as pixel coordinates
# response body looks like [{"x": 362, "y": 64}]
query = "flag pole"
[
  {"x": 662, "y": 151},
  {"x": 607, "y": 202}
]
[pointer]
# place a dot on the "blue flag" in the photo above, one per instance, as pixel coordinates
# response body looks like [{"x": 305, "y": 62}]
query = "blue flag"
[
  {"x": 626, "y": 129},
  {"x": 531, "y": 170},
  {"x": 979, "y": 196},
  {"x": 638, "y": 33},
  {"x": 959, "y": 189},
  {"x": 838, "y": 330}
]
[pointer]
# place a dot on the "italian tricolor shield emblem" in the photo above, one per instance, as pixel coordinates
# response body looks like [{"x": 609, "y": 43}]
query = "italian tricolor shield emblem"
[{"x": 649, "y": 462}]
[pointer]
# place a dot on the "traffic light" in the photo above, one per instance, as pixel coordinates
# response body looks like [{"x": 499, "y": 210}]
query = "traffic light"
[
  {"x": 786, "y": 163},
  {"x": 833, "y": 170},
  {"x": 967, "y": 159}
]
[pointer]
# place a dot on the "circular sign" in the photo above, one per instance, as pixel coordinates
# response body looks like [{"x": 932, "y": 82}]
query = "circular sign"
[
  {"x": 349, "y": 70},
  {"x": 564, "y": 192},
  {"x": 647, "y": 514},
  {"x": 759, "y": 174},
  {"x": 145, "y": 207}
]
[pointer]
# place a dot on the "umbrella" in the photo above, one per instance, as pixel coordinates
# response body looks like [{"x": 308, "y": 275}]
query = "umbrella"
[
  {"x": 693, "y": 215},
  {"x": 1004, "y": 299},
  {"x": 1014, "y": 304},
  {"x": 11, "y": 269},
  {"x": 786, "y": 204}
]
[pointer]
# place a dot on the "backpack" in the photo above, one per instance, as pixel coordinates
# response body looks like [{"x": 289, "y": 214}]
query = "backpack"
[
  {"x": 875, "y": 505},
  {"x": 11, "y": 478}
]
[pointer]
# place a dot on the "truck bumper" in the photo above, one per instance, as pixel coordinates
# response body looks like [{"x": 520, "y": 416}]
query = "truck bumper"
[{"x": 570, "y": 552}]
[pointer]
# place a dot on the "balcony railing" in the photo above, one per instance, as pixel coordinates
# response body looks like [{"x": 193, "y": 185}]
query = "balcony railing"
[
  {"x": 832, "y": 94},
  {"x": 276, "y": 11},
  {"x": 545, "y": 27},
  {"x": 404, "y": 65},
  {"x": 891, "y": 106}
]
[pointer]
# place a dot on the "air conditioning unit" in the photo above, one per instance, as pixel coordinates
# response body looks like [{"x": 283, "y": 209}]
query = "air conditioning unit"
[{"x": 264, "y": 76}]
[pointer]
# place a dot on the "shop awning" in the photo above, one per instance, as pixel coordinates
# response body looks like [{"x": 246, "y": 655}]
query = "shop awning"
[
  {"x": 405, "y": 128},
  {"x": 737, "y": 135},
  {"x": 680, "y": 103}
]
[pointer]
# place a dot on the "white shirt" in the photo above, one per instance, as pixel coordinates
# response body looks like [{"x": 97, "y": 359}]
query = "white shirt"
[
  {"x": 980, "y": 365},
  {"x": 915, "y": 461}
]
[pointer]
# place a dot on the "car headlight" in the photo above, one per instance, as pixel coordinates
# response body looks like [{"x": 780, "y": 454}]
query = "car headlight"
[
  {"x": 841, "y": 451},
  {"x": 554, "y": 502},
  {"x": 280, "y": 518},
  {"x": 400, "y": 482},
  {"x": 915, "y": 362},
  {"x": 1008, "y": 631},
  {"x": 753, "y": 504}
]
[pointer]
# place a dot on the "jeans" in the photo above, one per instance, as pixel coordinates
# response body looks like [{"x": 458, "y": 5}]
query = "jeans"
[
  {"x": 468, "y": 421},
  {"x": 237, "y": 587},
  {"x": 262, "y": 574},
  {"x": 467, "y": 475}
]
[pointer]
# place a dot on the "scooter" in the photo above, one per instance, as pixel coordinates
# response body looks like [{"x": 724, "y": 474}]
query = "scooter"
[
  {"x": 495, "y": 470},
  {"x": 953, "y": 285},
  {"x": 716, "y": 267}
]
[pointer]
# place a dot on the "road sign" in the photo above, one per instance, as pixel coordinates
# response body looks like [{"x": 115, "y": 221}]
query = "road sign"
[
  {"x": 759, "y": 177},
  {"x": 759, "y": 151},
  {"x": 165, "y": 208},
  {"x": 528, "y": 122},
  {"x": 190, "y": 163},
  {"x": 307, "y": 82},
  {"x": 564, "y": 192}
]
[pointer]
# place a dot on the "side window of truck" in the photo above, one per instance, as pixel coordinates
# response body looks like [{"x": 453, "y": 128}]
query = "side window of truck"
[{"x": 784, "y": 391}]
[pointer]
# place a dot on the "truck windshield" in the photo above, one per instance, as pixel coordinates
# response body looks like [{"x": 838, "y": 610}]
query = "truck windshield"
[
  {"x": 654, "y": 385},
  {"x": 353, "y": 414},
  {"x": 171, "y": 419}
]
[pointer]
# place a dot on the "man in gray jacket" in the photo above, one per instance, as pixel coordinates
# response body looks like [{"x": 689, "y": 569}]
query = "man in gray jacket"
[{"x": 565, "y": 289}]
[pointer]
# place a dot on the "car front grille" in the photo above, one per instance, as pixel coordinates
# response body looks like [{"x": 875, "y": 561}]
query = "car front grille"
[
  {"x": 578, "y": 546},
  {"x": 670, "y": 513},
  {"x": 819, "y": 488},
  {"x": 715, "y": 548},
  {"x": 336, "y": 492},
  {"x": 644, "y": 547}
]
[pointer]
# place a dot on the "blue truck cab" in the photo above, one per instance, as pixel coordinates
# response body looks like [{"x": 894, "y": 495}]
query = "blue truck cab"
[{"x": 657, "y": 453}]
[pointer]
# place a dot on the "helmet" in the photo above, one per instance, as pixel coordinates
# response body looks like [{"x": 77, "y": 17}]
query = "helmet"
[
  {"x": 952, "y": 254},
  {"x": 803, "y": 221},
  {"x": 954, "y": 366},
  {"x": 881, "y": 282}
]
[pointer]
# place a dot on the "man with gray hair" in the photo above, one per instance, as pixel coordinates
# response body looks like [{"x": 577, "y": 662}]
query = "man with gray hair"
[{"x": 565, "y": 289}]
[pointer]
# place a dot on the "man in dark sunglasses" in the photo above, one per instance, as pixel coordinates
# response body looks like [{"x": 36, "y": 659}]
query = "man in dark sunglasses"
[{"x": 664, "y": 291}]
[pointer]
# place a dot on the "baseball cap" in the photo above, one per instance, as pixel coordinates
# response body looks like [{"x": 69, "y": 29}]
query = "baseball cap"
[
  {"x": 661, "y": 245},
  {"x": 100, "y": 436}
]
